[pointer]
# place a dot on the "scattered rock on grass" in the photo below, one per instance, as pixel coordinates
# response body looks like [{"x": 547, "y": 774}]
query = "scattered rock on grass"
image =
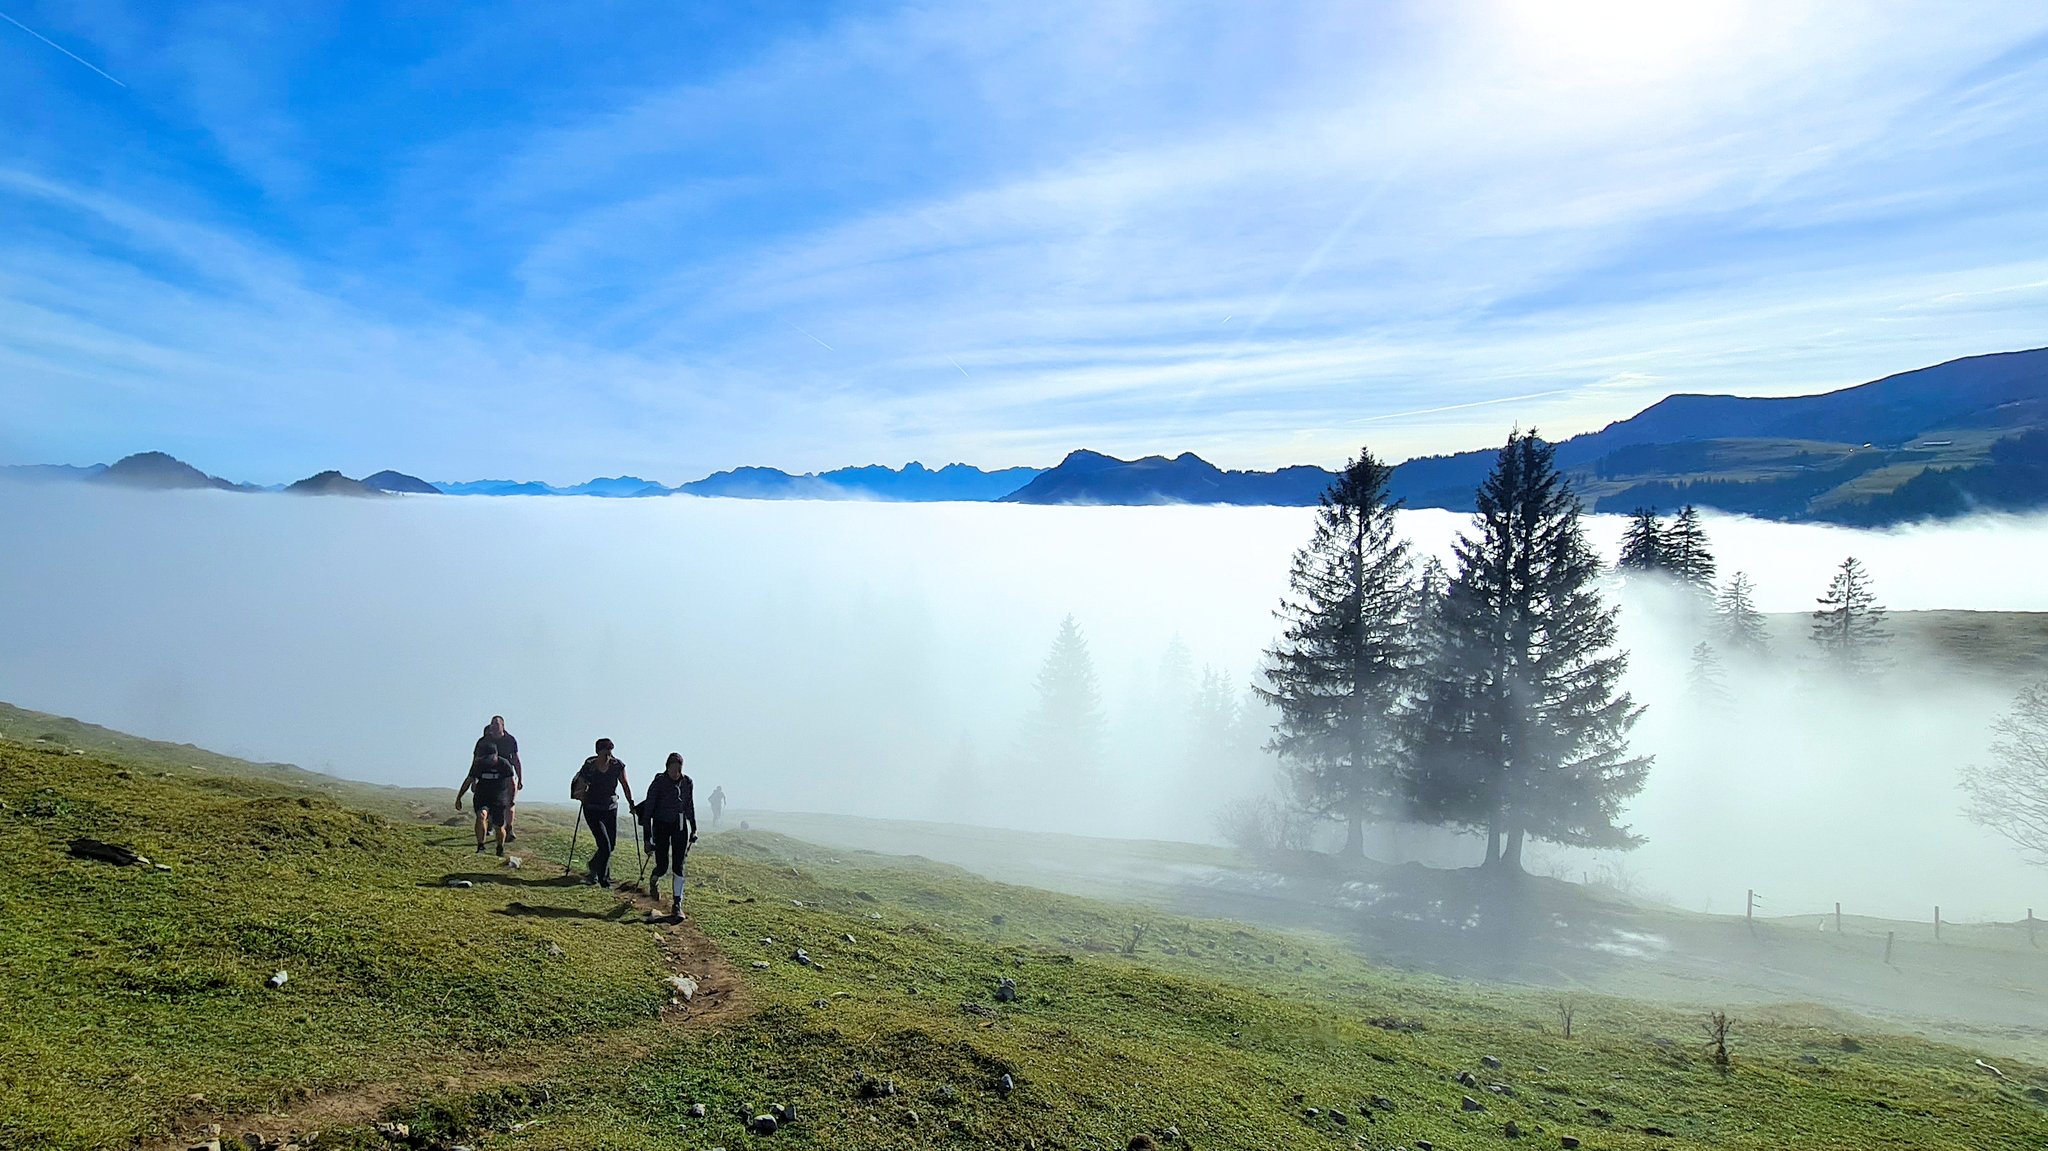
[
  {"x": 1568, "y": 1142},
  {"x": 760, "y": 965},
  {"x": 1470, "y": 1104},
  {"x": 801, "y": 956},
  {"x": 1339, "y": 1118},
  {"x": 1511, "y": 1129},
  {"x": 684, "y": 985},
  {"x": 1382, "y": 1103},
  {"x": 277, "y": 979},
  {"x": 460, "y": 883},
  {"x": 1489, "y": 1062},
  {"x": 1006, "y": 991},
  {"x": 1850, "y": 1045},
  {"x": 764, "y": 1125},
  {"x": 1141, "y": 1142},
  {"x": 1467, "y": 1079},
  {"x": 1007, "y": 1084},
  {"x": 696, "y": 1111}
]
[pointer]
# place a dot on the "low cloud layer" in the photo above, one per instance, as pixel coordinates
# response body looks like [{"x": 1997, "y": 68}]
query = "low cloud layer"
[{"x": 878, "y": 659}]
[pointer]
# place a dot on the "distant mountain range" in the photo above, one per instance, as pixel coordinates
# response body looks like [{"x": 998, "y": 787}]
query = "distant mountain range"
[{"x": 1970, "y": 434}]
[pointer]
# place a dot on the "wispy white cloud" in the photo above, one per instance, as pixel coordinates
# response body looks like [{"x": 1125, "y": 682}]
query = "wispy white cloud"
[{"x": 997, "y": 233}]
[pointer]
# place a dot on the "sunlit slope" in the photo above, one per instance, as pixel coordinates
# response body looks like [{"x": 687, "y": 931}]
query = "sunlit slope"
[
  {"x": 128, "y": 991},
  {"x": 133, "y": 1000}
]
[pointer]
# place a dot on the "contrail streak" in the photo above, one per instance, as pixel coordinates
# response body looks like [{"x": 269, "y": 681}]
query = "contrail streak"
[
  {"x": 57, "y": 46},
  {"x": 1460, "y": 407},
  {"x": 814, "y": 339},
  {"x": 957, "y": 367}
]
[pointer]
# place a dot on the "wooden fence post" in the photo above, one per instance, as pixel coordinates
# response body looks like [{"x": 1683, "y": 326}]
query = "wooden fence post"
[
  {"x": 1838, "y": 917},
  {"x": 1937, "y": 921},
  {"x": 2030, "y": 928},
  {"x": 1888, "y": 937}
]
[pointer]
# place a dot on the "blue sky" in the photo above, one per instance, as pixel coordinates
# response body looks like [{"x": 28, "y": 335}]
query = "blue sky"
[{"x": 557, "y": 240}]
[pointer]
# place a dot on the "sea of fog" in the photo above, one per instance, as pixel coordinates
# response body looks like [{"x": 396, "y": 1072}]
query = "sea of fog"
[{"x": 878, "y": 659}]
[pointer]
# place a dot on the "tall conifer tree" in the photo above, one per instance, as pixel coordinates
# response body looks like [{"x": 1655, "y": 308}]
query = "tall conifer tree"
[
  {"x": 1522, "y": 728},
  {"x": 1064, "y": 730},
  {"x": 1642, "y": 545},
  {"x": 1342, "y": 664},
  {"x": 1741, "y": 626},
  {"x": 1848, "y": 624},
  {"x": 1687, "y": 555}
]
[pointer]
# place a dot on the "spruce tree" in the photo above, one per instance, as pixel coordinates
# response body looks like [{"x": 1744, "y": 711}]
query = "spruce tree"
[
  {"x": 1848, "y": 624},
  {"x": 1642, "y": 545},
  {"x": 1703, "y": 681},
  {"x": 1687, "y": 555},
  {"x": 1343, "y": 660},
  {"x": 1740, "y": 625},
  {"x": 1521, "y": 726},
  {"x": 1063, "y": 732}
]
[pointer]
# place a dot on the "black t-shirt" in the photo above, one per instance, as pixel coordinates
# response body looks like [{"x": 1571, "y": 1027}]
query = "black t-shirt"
[
  {"x": 490, "y": 772},
  {"x": 508, "y": 747},
  {"x": 604, "y": 780}
]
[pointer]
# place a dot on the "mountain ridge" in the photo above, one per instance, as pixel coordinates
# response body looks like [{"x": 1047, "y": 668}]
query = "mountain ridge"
[{"x": 1963, "y": 435}]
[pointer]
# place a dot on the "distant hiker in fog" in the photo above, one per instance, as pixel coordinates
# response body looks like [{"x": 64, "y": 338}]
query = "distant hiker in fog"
[
  {"x": 717, "y": 804},
  {"x": 496, "y": 736},
  {"x": 596, "y": 786},
  {"x": 671, "y": 815},
  {"x": 490, "y": 777}
]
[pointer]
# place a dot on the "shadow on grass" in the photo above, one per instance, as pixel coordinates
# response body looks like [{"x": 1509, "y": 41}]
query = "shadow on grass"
[
  {"x": 507, "y": 878},
  {"x": 527, "y": 910}
]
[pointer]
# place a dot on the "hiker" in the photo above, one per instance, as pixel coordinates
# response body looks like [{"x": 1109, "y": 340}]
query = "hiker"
[
  {"x": 490, "y": 777},
  {"x": 496, "y": 736},
  {"x": 671, "y": 816},
  {"x": 717, "y": 804},
  {"x": 596, "y": 786}
]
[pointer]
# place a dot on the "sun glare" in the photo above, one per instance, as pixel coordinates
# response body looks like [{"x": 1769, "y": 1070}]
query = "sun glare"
[{"x": 1609, "y": 41}]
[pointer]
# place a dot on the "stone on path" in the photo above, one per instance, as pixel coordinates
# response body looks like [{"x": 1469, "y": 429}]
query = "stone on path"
[{"x": 684, "y": 985}]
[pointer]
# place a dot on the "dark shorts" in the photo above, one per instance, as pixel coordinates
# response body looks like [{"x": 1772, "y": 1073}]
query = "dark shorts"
[{"x": 493, "y": 800}]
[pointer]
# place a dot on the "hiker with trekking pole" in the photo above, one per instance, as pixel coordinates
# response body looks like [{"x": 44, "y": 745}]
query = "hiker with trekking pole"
[
  {"x": 595, "y": 787},
  {"x": 670, "y": 812},
  {"x": 490, "y": 777}
]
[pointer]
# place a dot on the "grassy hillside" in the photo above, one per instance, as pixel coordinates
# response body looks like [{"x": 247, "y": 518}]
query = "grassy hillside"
[{"x": 523, "y": 1013}]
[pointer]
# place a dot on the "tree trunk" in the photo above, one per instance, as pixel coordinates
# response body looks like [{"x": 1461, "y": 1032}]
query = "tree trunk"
[
  {"x": 1492, "y": 844},
  {"x": 1354, "y": 838},
  {"x": 1513, "y": 856}
]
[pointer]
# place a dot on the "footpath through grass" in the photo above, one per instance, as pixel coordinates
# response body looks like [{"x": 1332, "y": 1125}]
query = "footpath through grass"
[
  {"x": 123, "y": 992},
  {"x": 132, "y": 999}
]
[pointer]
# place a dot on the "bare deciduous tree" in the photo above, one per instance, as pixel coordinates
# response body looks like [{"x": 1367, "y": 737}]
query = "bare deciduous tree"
[{"x": 2009, "y": 794}]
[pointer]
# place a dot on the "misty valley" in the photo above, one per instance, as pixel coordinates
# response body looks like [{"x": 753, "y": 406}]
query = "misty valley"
[{"x": 1070, "y": 699}]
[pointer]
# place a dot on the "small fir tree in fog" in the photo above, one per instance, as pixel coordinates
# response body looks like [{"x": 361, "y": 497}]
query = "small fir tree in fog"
[
  {"x": 1642, "y": 545},
  {"x": 1739, "y": 625},
  {"x": 1063, "y": 732},
  {"x": 1703, "y": 680},
  {"x": 1344, "y": 656},
  {"x": 1848, "y": 626},
  {"x": 1687, "y": 554},
  {"x": 2009, "y": 794},
  {"x": 1521, "y": 726}
]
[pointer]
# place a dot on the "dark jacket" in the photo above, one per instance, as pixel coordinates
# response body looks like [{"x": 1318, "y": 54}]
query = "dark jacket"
[{"x": 670, "y": 803}]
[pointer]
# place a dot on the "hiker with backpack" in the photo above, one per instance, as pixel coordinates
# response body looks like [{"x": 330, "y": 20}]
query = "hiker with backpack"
[
  {"x": 596, "y": 786},
  {"x": 495, "y": 735},
  {"x": 669, "y": 811},
  {"x": 717, "y": 804},
  {"x": 490, "y": 778}
]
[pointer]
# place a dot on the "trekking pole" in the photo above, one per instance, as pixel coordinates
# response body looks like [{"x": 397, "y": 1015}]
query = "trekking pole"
[
  {"x": 639, "y": 852},
  {"x": 575, "y": 828}
]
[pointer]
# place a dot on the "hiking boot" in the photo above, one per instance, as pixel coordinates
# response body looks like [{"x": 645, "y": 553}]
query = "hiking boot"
[
  {"x": 501, "y": 851},
  {"x": 676, "y": 909},
  {"x": 511, "y": 838},
  {"x": 479, "y": 849}
]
